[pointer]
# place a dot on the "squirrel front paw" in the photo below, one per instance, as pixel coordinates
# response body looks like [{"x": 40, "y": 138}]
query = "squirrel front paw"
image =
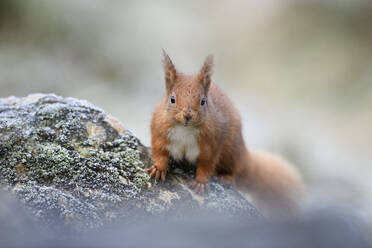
[
  {"x": 157, "y": 173},
  {"x": 225, "y": 180},
  {"x": 200, "y": 188}
]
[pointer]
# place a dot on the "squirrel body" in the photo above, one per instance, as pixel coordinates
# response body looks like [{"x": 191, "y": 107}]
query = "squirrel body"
[{"x": 196, "y": 121}]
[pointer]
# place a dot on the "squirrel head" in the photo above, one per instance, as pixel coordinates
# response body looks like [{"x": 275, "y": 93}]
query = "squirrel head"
[{"x": 187, "y": 95}]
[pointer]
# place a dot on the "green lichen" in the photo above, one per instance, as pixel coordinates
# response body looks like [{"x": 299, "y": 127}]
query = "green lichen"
[{"x": 46, "y": 144}]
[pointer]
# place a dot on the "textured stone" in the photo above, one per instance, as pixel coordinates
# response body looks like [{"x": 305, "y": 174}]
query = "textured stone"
[{"x": 69, "y": 162}]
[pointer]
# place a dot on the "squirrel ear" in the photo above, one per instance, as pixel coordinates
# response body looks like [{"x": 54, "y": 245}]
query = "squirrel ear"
[
  {"x": 170, "y": 71},
  {"x": 206, "y": 72}
]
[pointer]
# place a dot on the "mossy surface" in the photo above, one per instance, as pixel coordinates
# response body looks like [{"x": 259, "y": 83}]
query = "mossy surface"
[
  {"x": 68, "y": 161},
  {"x": 62, "y": 157}
]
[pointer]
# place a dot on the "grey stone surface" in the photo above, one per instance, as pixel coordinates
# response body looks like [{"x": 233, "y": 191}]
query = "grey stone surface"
[{"x": 69, "y": 162}]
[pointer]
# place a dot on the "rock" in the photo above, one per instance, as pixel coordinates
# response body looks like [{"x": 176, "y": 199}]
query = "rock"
[{"x": 71, "y": 163}]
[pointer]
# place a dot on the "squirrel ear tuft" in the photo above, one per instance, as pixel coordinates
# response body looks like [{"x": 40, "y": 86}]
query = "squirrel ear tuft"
[
  {"x": 206, "y": 72},
  {"x": 169, "y": 70}
]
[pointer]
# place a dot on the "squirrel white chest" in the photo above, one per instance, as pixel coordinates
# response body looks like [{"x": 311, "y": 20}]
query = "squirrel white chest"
[{"x": 184, "y": 143}]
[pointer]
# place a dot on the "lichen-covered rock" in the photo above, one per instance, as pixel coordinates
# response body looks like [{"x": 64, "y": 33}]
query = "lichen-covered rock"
[{"x": 68, "y": 161}]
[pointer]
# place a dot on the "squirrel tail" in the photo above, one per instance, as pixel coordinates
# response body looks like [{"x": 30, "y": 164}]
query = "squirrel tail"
[{"x": 274, "y": 184}]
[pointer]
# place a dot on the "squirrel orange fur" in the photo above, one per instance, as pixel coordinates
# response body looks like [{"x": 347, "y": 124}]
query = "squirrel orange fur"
[{"x": 196, "y": 121}]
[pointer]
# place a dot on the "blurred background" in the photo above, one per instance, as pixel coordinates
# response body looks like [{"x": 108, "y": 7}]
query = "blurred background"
[{"x": 300, "y": 72}]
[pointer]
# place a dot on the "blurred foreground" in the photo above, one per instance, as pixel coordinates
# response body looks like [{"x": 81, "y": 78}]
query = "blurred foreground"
[{"x": 326, "y": 228}]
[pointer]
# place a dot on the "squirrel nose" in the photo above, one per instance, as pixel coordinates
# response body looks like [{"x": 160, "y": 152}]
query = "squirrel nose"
[{"x": 187, "y": 117}]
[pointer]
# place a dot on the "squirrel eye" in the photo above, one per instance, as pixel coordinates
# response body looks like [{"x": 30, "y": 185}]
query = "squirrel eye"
[
  {"x": 203, "y": 101},
  {"x": 173, "y": 99}
]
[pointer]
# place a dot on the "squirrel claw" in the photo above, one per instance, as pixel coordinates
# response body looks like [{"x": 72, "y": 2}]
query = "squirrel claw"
[
  {"x": 199, "y": 188},
  {"x": 156, "y": 173},
  {"x": 224, "y": 180}
]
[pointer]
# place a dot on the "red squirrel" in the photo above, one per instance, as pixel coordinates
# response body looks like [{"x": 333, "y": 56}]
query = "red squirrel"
[{"x": 196, "y": 121}]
